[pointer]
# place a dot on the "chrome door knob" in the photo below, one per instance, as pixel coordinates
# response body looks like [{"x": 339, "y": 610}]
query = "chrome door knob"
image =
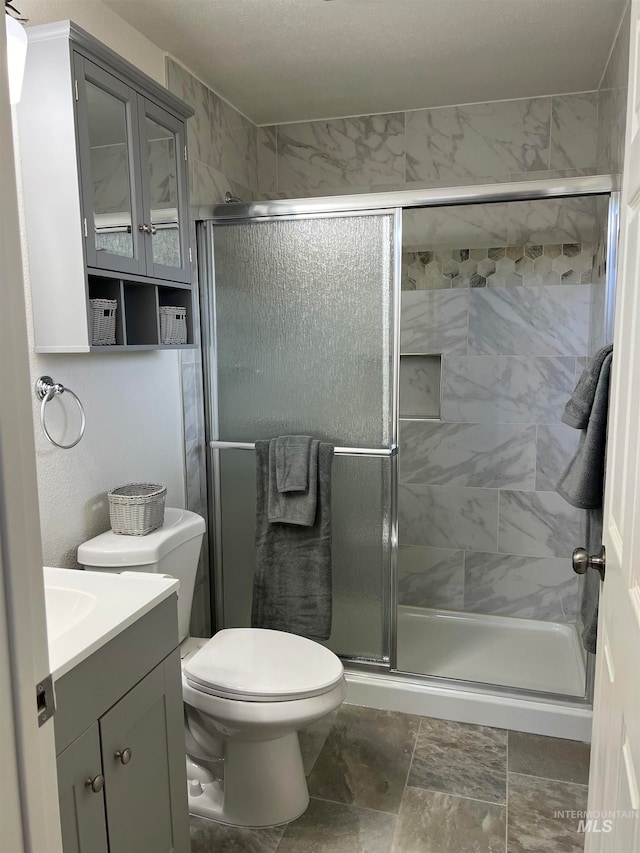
[
  {"x": 581, "y": 561},
  {"x": 124, "y": 755},
  {"x": 96, "y": 784}
]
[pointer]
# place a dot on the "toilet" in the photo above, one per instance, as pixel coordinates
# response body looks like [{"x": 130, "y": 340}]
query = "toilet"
[{"x": 247, "y": 691}]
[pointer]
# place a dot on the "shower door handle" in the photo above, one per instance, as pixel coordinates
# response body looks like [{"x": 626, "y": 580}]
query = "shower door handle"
[{"x": 581, "y": 561}]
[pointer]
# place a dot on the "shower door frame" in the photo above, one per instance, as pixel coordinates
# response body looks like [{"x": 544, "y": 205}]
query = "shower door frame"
[
  {"x": 392, "y": 202},
  {"x": 206, "y": 275}
]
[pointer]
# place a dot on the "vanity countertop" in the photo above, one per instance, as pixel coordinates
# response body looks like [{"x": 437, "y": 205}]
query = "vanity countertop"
[{"x": 87, "y": 609}]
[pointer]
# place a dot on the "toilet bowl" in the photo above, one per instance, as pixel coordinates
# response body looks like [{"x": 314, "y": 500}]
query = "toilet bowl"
[{"x": 247, "y": 691}]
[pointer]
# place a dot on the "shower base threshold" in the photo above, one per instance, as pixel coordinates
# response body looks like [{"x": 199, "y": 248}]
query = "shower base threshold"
[{"x": 494, "y": 650}]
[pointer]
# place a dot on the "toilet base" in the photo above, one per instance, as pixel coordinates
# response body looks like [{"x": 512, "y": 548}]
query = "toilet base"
[{"x": 264, "y": 784}]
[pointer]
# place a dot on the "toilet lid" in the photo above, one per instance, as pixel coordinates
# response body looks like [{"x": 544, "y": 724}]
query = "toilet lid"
[{"x": 259, "y": 665}]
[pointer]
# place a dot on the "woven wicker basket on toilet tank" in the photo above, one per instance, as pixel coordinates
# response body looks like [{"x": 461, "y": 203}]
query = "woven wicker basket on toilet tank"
[{"x": 137, "y": 508}]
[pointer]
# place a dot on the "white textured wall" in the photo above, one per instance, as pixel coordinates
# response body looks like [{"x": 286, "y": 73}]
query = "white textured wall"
[
  {"x": 102, "y": 23},
  {"x": 133, "y": 401}
]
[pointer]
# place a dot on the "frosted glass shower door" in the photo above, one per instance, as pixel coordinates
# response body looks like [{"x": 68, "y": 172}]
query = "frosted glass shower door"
[{"x": 304, "y": 346}]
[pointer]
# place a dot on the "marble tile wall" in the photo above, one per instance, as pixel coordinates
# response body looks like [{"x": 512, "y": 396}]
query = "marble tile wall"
[
  {"x": 612, "y": 103},
  {"x": 486, "y": 142},
  {"x": 222, "y": 143},
  {"x": 545, "y": 222},
  {"x": 196, "y": 477},
  {"x": 223, "y": 157},
  {"x": 481, "y": 526}
]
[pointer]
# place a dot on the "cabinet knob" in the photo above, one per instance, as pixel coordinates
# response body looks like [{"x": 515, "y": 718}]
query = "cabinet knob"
[
  {"x": 124, "y": 755},
  {"x": 145, "y": 229},
  {"x": 96, "y": 784}
]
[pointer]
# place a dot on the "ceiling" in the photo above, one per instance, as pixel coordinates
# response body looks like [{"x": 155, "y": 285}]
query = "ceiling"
[{"x": 295, "y": 60}]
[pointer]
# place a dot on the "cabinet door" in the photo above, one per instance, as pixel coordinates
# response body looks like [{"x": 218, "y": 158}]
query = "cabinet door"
[
  {"x": 109, "y": 158},
  {"x": 82, "y": 814},
  {"x": 164, "y": 192},
  {"x": 143, "y": 756}
]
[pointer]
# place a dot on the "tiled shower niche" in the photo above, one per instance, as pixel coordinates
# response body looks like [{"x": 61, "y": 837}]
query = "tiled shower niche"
[
  {"x": 420, "y": 386},
  {"x": 509, "y": 296}
]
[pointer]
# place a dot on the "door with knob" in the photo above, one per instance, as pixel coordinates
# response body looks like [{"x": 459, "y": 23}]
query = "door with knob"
[
  {"x": 81, "y": 795},
  {"x": 614, "y": 781},
  {"x": 145, "y": 786}
]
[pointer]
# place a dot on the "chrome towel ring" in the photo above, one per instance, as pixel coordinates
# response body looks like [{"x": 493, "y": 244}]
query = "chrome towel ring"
[{"x": 46, "y": 389}]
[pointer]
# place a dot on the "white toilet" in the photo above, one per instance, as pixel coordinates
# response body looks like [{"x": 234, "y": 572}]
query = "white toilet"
[{"x": 247, "y": 691}]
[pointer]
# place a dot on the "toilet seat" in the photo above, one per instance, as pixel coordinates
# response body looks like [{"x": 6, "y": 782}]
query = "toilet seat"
[{"x": 260, "y": 665}]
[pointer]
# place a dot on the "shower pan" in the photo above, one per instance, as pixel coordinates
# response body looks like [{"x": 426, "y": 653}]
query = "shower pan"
[{"x": 433, "y": 336}]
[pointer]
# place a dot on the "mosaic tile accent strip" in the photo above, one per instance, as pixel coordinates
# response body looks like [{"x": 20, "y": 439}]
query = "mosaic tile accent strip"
[{"x": 500, "y": 266}]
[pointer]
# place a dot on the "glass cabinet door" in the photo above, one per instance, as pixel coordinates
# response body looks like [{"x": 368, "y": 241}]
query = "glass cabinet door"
[
  {"x": 109, "y": 163},
  {"x": 163, "y": 164}
]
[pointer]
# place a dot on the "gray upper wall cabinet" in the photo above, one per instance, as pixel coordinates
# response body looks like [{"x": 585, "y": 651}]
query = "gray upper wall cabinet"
[
  {"x": 104, "y": 173},
  {"x": 132, "y": 160}
]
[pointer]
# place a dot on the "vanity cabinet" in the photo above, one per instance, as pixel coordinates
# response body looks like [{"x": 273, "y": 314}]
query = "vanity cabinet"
[
  {"x": 120, "y": 743},
  {"x": 104, "y": 173},
  {"x": 82, "y": 812}
]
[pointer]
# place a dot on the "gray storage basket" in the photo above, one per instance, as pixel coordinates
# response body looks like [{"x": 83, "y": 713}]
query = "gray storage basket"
[
  {"x": 173, "y": 324},
  {"x": 137, "y": 508},
  {"x": 103, "y": 321}
]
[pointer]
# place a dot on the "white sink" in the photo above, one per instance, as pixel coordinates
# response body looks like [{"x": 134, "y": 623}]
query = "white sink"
[
  {"x": 65, "y": 608},
  {"x": 87, "y": 609}
]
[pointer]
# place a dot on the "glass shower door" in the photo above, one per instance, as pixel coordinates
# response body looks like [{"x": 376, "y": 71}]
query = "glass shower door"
[{"x": 304, "y": 343}]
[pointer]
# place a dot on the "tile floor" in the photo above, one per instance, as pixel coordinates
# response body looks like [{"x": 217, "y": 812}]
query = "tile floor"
[{"x": 384, "y": 782}]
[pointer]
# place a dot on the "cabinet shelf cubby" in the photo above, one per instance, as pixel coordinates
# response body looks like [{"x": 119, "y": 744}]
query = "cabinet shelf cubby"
[{"x": 138, "y": 315}]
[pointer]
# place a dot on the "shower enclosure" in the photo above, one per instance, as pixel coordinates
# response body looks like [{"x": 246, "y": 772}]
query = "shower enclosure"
[{"x": 433, "y": 337}]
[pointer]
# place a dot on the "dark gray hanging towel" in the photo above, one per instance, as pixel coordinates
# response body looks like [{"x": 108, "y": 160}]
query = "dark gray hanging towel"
[
  {"x": 285, "y": 504},
  {"x": 294, "y": 462},
  {"x": 292, "y": 581},
  {"x": 582, "y": 484},
  {"x": 578, "y": 410}
]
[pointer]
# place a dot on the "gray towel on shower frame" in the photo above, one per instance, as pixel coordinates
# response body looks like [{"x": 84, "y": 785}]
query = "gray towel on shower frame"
[
  {"x": 290, "y": 506},
  {"x": 292, "y": 589},
  {"x": 582, "y": 484},
  {"x": 294, "y": 462},
  {"x": 578, "y": 410}
]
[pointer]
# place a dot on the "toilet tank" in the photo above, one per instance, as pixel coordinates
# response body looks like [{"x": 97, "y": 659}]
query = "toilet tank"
[{"x": 173, "y": 549}]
